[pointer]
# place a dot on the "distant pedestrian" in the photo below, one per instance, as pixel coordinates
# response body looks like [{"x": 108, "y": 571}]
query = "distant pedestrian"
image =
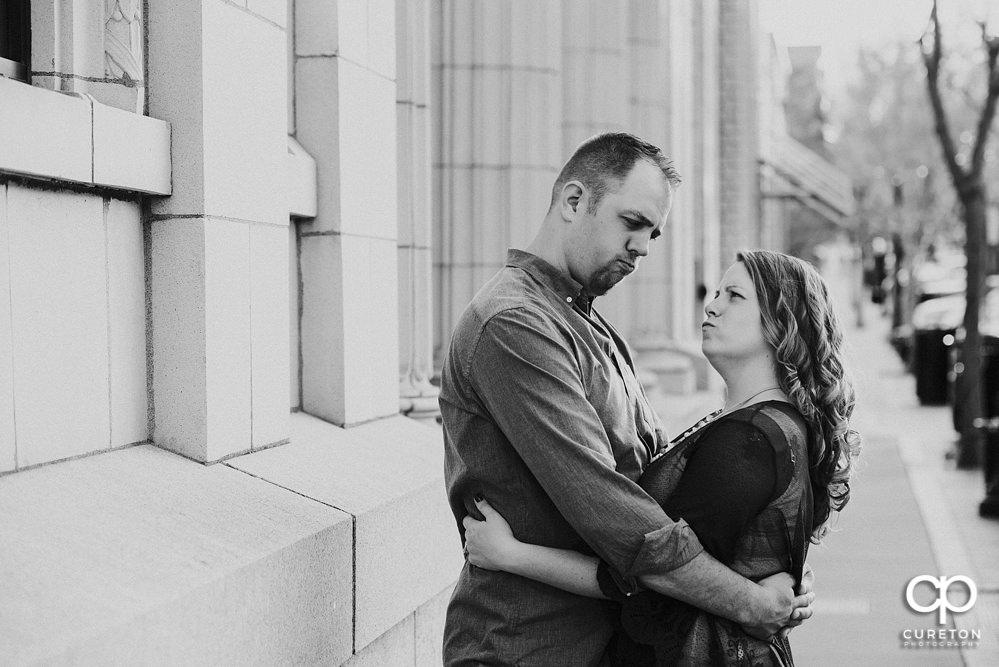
[{"x": 756, "y": 480}]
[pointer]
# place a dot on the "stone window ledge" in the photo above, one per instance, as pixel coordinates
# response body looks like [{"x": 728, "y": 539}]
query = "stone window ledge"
[{"x": 74, "y": 139}]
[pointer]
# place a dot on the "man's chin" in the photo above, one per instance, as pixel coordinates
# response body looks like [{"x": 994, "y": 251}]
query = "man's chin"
[
  {"x": 600, "y": 290},
  {"x": 605, "y": 283}
]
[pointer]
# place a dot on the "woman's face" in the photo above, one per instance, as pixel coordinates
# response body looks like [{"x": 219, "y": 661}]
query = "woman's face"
[{"x": 733, "y": 328}]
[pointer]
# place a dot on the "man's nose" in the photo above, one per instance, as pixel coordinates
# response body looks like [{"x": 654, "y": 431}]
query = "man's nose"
[{"x": 638, "y": 245}]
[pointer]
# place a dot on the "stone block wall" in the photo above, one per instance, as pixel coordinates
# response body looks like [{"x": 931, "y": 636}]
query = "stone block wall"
[
  {"x": 173, "y": 268},
  {"x": 72, "y": 286}
]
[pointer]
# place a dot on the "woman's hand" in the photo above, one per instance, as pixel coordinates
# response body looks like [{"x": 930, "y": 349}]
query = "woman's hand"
[{"x": 490, "y": 544}]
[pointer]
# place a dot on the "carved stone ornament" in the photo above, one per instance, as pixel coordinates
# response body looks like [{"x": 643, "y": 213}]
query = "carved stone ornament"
[{"x": 123, "y": 40}]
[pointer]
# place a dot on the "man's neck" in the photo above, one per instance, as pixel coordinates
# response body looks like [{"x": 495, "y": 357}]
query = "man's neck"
[{"x": 550, "y": 246}]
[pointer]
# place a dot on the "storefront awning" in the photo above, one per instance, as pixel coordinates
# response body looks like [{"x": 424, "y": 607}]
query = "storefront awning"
[{"x": 799, "y": 173}]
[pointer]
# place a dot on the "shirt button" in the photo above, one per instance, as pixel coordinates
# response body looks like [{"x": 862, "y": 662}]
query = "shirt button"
[{"x": 569, "y": 299}]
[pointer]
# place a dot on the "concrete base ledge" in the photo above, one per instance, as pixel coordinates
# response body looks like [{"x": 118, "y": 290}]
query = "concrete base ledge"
[
  {"x": 388, "y": 474},
  {"x": 140, "y": 556}
]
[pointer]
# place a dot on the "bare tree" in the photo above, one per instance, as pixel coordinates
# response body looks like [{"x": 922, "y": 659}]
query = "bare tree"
[{"x": 967, "y": 174}]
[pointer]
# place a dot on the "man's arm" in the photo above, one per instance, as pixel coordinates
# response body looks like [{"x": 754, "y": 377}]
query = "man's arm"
[
  {"x": 525, "y": 372},
  {"x": 490, "y": 544},
  {"x": 762, "y": 609}
]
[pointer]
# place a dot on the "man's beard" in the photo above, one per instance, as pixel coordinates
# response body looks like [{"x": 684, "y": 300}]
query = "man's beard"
[{"x": 604, "y": 279}]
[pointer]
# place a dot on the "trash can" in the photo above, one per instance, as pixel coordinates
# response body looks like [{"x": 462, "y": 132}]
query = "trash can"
[
  {"x": 930, "y": 359},
  {"x": 934, "y": 323}
]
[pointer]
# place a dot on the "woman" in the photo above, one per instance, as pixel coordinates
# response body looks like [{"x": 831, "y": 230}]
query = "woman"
[{"x": 757, "y": 480}]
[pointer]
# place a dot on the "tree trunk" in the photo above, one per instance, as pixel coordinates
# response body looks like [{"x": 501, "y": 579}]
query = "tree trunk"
[{"x": 971, "y": 392}]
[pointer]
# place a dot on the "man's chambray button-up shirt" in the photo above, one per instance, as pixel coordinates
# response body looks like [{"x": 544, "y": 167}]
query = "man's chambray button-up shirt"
[{"x": 543, "y": 415}]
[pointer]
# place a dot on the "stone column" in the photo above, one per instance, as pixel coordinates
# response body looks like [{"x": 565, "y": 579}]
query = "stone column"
[
  {"x": 497, "y": 89},
  {"x": 652, "y": 109},
  {"x": 597, "y": 83},
  {"x": 683, "y": 70},
  {"x": 346, "y": 118},
  {"x": 738, "y": 185},
  {"x": 597, "y": 79},
  {"x": 417, "y": 396},
  {"x": 661, "y": 111},
  {"x": 217, "y": 249},
  {"x": 704, "y": 182}
]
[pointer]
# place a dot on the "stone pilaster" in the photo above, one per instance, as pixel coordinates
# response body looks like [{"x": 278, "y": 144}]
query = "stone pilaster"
[
  {"x": 217, "y": 249},
  {"x": 346, "y": 118}
]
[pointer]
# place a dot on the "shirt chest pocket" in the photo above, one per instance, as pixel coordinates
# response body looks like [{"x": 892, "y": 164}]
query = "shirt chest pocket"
[{"x": 617, "y": 404}]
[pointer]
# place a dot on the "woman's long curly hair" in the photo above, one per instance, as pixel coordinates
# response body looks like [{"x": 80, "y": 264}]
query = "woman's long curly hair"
[{"x": 799, "y": 322}]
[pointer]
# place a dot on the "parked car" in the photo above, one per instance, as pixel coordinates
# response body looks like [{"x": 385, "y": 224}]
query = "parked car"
[
  {"x": 988, "y": 327},
  {"x": 945, "y": 276},
  {"x": 937, "y": 281}
]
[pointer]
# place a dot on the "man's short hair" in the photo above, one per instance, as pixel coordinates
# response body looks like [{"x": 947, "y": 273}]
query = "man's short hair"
[{"x": 602, "y": 162}]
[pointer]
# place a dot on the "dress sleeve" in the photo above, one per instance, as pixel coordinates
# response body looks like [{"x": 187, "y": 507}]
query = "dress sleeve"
[
  {"x": 729, "y": 479},
  {"x": 527, "y": 376}
]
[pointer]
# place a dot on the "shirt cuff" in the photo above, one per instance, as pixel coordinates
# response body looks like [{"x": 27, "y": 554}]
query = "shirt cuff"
[
  {"x": 665, "y": 549},
  {"x": 613, "y": 585}
]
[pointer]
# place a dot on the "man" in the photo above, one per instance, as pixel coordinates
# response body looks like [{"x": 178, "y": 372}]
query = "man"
[{"x": 544, "y": 417}]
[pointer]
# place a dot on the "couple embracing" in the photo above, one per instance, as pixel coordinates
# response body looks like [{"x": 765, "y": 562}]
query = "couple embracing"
[{"x": 590, "y": 538}]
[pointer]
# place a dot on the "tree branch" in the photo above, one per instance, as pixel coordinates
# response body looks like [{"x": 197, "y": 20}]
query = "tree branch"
[
  {"x": 932, "y": 58},
  {"x": 989, "y": 108}
]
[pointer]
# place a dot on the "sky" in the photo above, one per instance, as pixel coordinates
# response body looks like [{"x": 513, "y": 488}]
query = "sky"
[{"x": 841, "y": 27}]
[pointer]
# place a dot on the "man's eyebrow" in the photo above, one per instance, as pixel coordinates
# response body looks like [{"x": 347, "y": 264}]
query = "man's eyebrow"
[
  {"x": 639, "y": 217},
  {"x": 643, "y": 221}
]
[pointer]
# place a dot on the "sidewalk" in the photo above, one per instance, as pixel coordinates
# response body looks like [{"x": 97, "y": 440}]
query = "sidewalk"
[{"x": 911, "y": 513}]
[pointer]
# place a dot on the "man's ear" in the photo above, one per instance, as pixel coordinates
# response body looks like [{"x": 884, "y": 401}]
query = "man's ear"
[{"x": 572, "y": 200}]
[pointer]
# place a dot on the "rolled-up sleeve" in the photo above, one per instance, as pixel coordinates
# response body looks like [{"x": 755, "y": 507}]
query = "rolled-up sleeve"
[{"x": 528, "y": 375}]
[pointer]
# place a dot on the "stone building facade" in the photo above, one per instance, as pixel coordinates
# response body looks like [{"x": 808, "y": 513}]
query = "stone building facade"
[{"x": 234, "y": 236}]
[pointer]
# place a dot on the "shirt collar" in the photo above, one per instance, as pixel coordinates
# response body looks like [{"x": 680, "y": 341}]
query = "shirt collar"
[{"x": 546, "y": 274}]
